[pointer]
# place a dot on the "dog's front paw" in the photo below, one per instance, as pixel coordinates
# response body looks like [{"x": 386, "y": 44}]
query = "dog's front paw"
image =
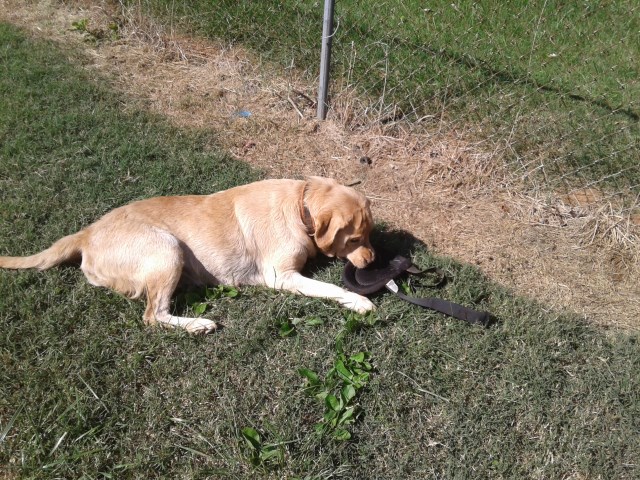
[
  {"x": 201, "y": 325},
  {"x": 357, "y": 303}
]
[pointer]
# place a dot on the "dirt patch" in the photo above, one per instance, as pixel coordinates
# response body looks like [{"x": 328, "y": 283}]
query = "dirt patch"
[{"x": 568, "y": 251}]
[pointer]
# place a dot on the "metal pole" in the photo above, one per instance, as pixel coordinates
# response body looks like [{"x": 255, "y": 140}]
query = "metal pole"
[{"x": 325, "y": 58}]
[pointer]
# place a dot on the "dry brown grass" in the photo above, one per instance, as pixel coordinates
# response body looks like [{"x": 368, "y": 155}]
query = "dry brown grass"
[{"x": 569, "y": 251}]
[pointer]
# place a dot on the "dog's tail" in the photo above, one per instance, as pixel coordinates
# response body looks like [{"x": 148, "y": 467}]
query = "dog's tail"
[{"x": 67, "y": 249}]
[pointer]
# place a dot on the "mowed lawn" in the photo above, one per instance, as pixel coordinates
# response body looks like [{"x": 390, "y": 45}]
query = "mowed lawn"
[{"x": 292, "y": 387}]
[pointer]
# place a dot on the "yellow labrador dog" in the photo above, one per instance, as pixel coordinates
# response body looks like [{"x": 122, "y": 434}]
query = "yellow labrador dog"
[{"x": 256, "y": 234}]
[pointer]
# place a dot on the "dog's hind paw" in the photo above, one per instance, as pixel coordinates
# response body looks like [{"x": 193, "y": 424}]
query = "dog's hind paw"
[{"x": 357, "y": 303}]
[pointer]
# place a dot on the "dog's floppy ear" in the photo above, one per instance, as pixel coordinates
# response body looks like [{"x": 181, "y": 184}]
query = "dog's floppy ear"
[{"x": 325, "y": 233}]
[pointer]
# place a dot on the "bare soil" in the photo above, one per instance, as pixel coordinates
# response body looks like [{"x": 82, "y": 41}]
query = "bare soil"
[{"x": 571, "y": 253}]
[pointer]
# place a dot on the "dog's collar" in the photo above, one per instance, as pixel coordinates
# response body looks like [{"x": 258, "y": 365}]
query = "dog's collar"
[{"x": 305, "y": 214}]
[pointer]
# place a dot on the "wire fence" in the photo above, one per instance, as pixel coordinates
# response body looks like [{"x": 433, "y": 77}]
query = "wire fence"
[
  {"x": 552, "y": 87},
  {"x": 550, "y": 83}
]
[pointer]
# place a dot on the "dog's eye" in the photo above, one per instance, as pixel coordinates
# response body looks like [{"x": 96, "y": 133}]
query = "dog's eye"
[{"x": 355, "y": 240}]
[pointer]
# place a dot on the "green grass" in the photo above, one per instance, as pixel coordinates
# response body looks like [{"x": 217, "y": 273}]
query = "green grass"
[
  {"x": 87, "y": 391},
  {"x": 555, "y": 81}
]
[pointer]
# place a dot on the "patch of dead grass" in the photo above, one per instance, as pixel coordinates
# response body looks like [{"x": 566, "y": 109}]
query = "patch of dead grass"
[{"x": 425, "y": 177}]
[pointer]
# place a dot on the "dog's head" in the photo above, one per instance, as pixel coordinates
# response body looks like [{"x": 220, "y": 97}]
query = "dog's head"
[{"x": 342, "y": 220}]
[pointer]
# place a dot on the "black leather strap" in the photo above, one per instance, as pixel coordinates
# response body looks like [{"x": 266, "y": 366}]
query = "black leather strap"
[
  {"x": 375, "y": 277},
  {"x": 443, "y": 306}
]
